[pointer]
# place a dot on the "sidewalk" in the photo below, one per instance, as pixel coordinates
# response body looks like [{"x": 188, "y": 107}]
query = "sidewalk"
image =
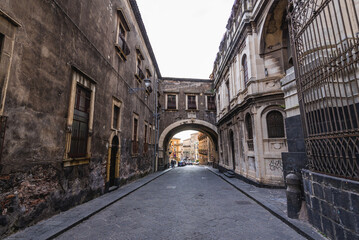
[
  {"x": 274, "y": 200},
  {"x": 54, "y": 226}
]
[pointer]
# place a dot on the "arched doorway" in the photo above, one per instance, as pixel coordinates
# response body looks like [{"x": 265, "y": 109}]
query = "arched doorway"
[
  {"x": 231, "y": 140},
  {"x": 188, "y": 124},
  {"x": 113, "y": 159}
]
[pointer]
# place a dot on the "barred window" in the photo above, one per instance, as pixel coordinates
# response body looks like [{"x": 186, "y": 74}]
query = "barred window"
[
  {"x": 192, "y": 102},
  {"x": 145, "y": 140},
  {"x": 249, "y": 126},
  {"x": 211, "y": 101},
  {"x": 275, "y": 125},
  {"x": 134, "y": 136},
  {"x": 80, "y": 123},
  {"x": 171, "y": 102},
  {"x": 245, "y": 69}
]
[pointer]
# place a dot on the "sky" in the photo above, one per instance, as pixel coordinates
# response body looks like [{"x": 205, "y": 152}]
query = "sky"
[
  {"x": 185, "y": 34},
  {"x": 185, "y": 134}
]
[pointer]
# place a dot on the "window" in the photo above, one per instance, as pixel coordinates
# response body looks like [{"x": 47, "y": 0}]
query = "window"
[
  {"x": 148, "y": 73},
  {"x": 245, "y": 70},
  {"x": 145, "y": 140},
  {"x": 228, "y": 94},
  {"x": 80, "y": 123},
  {"x": 275, "y": 124},
  {"x": 150, "y": 134},
  {"x": 116, "y": 115},
  {"x": 139, "y": 58},
  {"x": 1, "y": 43},
  {"x": 191, "y": 102},
  {"x": 80, "y": 119},
  {"x": 211, "y": 103},
  {"x": 219, "y": 101},
  {"x": 135, "y": 135},
  {"x": 122, "y": 31},
  {"x": 171, "y": 102},
  {"x": 249, "y": 127}
]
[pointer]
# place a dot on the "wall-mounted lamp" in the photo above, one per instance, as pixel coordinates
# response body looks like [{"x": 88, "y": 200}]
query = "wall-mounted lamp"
[
  {"x": 266, "y": 72},
  {"x": 148, "y": 87}
]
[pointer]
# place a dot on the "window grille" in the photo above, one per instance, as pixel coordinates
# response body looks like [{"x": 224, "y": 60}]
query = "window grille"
[
  {"x": 145, "y": 144},
  {"x": 80, "y": 123},
  {"x": 275, "y": 125},
  {"x": 134, "y": 141},
  {"x": 326, "y": 42},
  {"x": 211, "y": 101},
  {"x": 249, "y": 127},
  {"x": 192, "y": 102},
  {"x": 171, "y": 102}
]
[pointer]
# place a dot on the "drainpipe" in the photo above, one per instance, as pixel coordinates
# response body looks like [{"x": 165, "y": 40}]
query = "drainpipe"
[{"x": 154, "y": 165}]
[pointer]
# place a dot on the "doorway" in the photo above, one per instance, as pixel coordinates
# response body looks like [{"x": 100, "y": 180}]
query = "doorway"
[
  {"x": 232, "y": 149},
  {"x": 114, "y": 152}
]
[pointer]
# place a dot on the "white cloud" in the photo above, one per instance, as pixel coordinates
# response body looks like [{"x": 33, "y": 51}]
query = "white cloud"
[{"x": 185, "y": 35}]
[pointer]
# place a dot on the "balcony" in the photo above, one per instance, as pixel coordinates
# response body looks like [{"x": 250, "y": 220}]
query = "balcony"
[{"x": 122, "y": 48}]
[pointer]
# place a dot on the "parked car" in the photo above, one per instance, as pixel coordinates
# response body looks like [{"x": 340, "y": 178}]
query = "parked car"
[{"x": 181, "y": 164}]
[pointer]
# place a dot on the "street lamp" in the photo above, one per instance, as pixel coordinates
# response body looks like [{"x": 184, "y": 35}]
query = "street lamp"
[{"x": 148, "y": 87}]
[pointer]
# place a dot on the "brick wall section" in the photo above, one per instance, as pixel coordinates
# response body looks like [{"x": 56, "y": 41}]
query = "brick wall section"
[{"x": 333, "y": 205}]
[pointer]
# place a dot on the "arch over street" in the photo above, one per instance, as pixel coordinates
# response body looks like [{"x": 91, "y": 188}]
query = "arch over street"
[{"x": 183, "y": 125}]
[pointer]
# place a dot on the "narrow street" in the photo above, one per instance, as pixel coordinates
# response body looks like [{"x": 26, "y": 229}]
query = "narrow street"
[{"x": 186, "y": 203}]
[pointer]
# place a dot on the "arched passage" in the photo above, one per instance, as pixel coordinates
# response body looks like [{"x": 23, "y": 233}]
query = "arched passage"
[{"x": 182, "y": 125}]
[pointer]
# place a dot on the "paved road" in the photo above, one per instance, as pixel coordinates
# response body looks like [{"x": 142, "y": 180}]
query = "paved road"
[{"x": 186, "y": 203}]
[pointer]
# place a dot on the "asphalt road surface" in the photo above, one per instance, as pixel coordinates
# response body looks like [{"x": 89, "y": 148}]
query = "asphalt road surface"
[{"x": 186, "y": 203}]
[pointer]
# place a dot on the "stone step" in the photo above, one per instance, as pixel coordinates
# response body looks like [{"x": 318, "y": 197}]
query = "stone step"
[{"x": 229, "y": 174}]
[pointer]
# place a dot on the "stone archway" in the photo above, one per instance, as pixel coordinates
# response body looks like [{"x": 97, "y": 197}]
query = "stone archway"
[{"x": 182, "y": 125}]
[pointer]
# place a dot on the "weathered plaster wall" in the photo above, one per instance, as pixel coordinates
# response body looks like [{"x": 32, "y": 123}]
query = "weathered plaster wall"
[{"x": 54, "y": 37}]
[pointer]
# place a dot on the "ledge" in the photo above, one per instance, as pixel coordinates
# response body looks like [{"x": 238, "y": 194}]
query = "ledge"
[{"x": 76, "y": 161}]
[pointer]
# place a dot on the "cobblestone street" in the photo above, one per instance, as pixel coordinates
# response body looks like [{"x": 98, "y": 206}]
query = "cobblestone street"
[{"x": 186, "y": 203}]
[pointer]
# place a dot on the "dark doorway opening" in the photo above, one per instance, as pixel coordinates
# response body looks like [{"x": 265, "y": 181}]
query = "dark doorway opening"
[
  {"x": 114, "y": 151},
  {"x": 232, "y": 149}
]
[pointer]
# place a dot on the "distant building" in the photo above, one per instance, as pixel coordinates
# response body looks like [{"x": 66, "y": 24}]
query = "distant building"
[
  {"x": 206, "y": 150},
  {"x": 194, "y": 146},
  {"x": 186, "y": 149},
  {"x": 175, "y": 149}
]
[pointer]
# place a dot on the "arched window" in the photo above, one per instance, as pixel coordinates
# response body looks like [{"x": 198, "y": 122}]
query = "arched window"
[
  {"x": 248, "y": 122},
  {"x": 275, "y": 125},
  {"x": 245, "y": 69}
]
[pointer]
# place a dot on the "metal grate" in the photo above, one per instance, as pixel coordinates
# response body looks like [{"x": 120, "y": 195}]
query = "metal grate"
[{"x": 325, "y": 38}]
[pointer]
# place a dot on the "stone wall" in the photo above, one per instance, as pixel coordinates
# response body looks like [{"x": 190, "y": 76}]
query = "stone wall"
[
  {"x": 52, "y": 40},
  {"x": 333, "y": 205}
]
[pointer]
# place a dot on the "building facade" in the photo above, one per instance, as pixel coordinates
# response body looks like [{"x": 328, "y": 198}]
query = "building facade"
[
  {"x": 253, "y": 57},
  {"x": 76, "y": 115},
  {"x": 205, "y": 150},
  {"x": 186, "y": 104},
  {"x": 175, "y": 149}
]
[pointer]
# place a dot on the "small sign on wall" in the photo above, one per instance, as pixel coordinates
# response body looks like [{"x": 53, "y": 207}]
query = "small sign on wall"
[{"x": 192, "y": 115}]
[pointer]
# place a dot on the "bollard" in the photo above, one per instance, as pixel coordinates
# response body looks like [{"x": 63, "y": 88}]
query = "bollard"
[{"x": 294, "y": 195}]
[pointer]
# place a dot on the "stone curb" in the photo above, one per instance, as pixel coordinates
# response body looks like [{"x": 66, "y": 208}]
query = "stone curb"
[
  {"x": 58, "y": 224},
  {"x": 300, "y": 227}
]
